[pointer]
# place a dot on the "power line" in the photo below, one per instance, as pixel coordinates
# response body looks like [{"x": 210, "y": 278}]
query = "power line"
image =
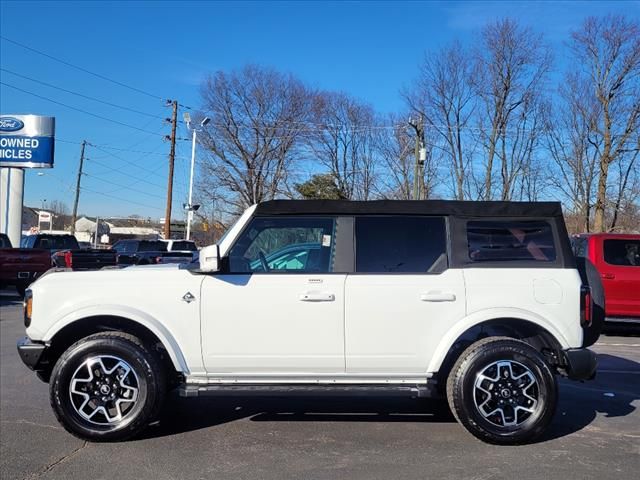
[
  {"x": 135, "y": 165},
  {"x": 120, "y": 185},
  {"x": 80, "y": 68},
  {"x": 137, "y": 179},
  {"x": 70, "y": 187},
  {"x": 80, "y": 110},
  {"x": 127, "y": 200},
  {"x": 81, "y": 95},
  {"x": 128, "y": 175},
  {"x": 118, "y": 149}
]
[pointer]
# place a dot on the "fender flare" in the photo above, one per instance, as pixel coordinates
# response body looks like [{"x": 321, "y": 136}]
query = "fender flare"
[
  {"x": 482, "y": 316},
  {"x": 134, "y": 315}
]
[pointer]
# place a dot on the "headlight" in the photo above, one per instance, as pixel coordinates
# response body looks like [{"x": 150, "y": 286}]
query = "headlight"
[{"x": 28, "y": 307}]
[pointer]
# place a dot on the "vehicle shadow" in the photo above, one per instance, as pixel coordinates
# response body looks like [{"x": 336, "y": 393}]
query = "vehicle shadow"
[
  {"x": 184, "y": 414},
  {"x": 611, "y": 394}
]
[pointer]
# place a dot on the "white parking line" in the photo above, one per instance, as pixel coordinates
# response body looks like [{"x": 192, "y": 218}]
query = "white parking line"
[{"x": 617, "y": 345}]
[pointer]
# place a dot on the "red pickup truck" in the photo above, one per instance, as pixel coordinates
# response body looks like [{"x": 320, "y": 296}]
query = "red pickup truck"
[
  {"x": 617, "y": 258},
  {"x": 21, "y": 266}
]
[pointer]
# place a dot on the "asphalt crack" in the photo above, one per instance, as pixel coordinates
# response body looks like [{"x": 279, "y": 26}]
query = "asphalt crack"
[{"x": 53, "y": 465}]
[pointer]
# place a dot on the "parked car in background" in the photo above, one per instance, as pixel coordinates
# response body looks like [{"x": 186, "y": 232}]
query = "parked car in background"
[
  {"x": 617, "y": 258},
  {"x": 184, "y": 246},
  {"x": 66, "y": 252},
  {"x": 148, "y": 252},
  {"x": 21, "y": 266},
  {"x": 85, "y": 245}
]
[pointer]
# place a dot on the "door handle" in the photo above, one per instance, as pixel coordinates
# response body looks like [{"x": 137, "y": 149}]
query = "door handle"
[
  {"x": 608, "y": 276},
  {"x": 317, "y": 297},
  {"x": 438, "y": 297}
]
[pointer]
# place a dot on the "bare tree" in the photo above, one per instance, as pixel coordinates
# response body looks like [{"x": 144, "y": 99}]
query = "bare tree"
[
  {"x": 572, "y": 146},
  {"x": 443, "y": 96},
  {"x": 511, "y": 64},
  {"x": 58, "y": 207},
  {"x": 517, "y": 150},
  {"x": 607, "y": 52},
  {"x": 257, "y": 116},
  {"x": 395, "y": 149},
  {"x": 343, "y": 141},
  {"x": 395, "y": 146},
  {"x": 628, "y": 186}
]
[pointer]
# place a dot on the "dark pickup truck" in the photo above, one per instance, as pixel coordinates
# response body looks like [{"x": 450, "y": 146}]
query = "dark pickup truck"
[
  {"x": 148, "y": 252},
  {"x": 66, "y": 253},
  {"x": 21, "y": 266}
]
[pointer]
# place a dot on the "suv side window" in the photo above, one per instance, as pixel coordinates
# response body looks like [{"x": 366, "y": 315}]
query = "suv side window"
[
  {"x": 507, "y": 240},
  {"x": 622, "y": 252},
  {"x": 284, "y": 244},
  {"x": 401, "y": 244}
]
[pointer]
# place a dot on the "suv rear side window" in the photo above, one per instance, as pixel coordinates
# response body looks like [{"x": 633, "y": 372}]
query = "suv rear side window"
[
  {"x": 505, "y": 240},
  {"x": 622, "y": 252},
  {"x": 401, "y": 244}
]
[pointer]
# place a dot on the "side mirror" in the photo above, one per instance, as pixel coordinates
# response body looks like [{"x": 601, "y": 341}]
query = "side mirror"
[{"x": 210, "y": 259}]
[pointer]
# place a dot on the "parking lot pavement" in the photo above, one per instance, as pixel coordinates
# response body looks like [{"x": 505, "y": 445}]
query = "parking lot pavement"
[{"x": 596, "y": 433}]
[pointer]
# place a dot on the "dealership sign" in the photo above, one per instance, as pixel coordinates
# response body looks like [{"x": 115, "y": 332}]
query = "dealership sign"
[{"x": 26, "y": 141}]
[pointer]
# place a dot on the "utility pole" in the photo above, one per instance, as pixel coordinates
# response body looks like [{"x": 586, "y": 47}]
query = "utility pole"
[
  {"x": 172, "y": 157},
  {"x": 419, "y": 153},
  {"x": 75, "y": 202}
]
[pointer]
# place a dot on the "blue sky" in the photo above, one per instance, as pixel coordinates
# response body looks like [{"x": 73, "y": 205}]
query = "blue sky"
[{"x": 367, "y": 49}]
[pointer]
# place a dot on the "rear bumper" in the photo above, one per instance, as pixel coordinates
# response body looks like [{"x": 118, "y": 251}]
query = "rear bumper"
[
  {"x": 581, "y": 363},
  {"x": 31, "y": 353}
]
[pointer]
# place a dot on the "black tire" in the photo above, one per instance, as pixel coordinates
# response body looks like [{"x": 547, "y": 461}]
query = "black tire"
[
  {"x": 148, "y": 377},
  {"x": 464, "y": 392}
]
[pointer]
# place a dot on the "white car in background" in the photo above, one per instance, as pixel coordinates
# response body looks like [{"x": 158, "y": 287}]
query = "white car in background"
[{"x": 183, "y": 246}]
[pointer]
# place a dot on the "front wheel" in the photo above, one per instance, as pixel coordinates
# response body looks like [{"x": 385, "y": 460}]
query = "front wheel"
[
  {"x": 502, "y": 391},
  {"x": 106, "y": 387}
]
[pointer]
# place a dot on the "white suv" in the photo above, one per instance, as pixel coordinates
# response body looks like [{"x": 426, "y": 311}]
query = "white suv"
[{"x": 478, "y": 301}]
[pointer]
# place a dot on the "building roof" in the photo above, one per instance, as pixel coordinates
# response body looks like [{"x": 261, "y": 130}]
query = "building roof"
[{"x": 409, "y": 207}]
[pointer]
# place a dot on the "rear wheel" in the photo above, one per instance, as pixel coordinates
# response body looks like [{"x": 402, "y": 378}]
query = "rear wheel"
[
  {"x": 502, "y": 391},
  {"x": 107, "y": 386}
]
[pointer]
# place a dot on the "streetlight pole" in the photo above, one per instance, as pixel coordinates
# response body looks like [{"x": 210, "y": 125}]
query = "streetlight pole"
[
  {"x": 193, "y": 163},
  {"x": 190, "y": 206}
]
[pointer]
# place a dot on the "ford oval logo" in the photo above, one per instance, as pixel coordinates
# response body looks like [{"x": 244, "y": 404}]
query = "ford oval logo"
[{"x": 10, "y": 124}]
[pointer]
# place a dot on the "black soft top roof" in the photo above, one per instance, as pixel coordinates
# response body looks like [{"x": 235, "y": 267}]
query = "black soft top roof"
[{"x": 409, "y": 207}]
